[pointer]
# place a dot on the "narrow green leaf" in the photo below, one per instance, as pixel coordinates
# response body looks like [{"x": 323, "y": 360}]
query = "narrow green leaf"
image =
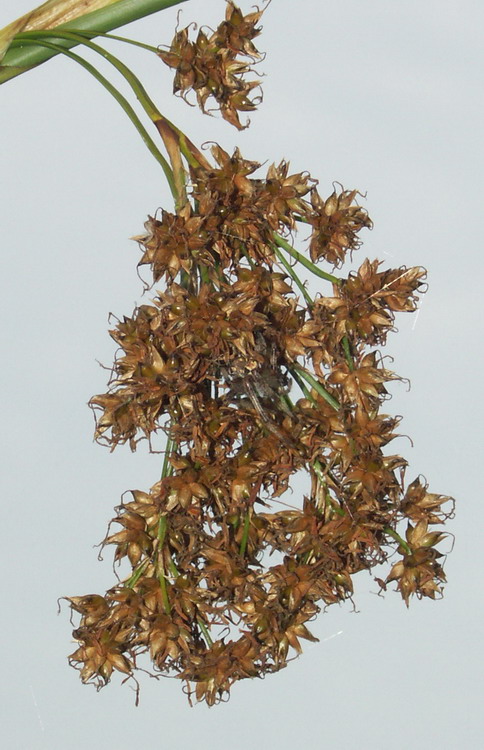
[{"x": 21, "y": 59}]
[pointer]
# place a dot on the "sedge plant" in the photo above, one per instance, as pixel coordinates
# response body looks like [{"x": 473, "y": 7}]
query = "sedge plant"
[{"x": 251, "y": 380}]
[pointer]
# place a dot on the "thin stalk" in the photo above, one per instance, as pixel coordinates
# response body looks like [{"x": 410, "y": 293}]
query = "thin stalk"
[
  {"x": 173, "y": 569},
  {"x": 164, "y": 593},
  {"x": 125, "y": 105},
  {"x": 20, "y": 60},
  {"x": 132, "y": 581},
  {"x": 204, "y": 630},
  {"x": 245, "y": 535},
  {"x": 162, "y": 524},
  {"x": 204, "y": 275},
  {"x": 346, "y": 348},
  {"x": 306, "y": 392},
  {"x": 398, "y": 539},
  {"x": 161, "y": 574},
  {"x": 306, "y": 557},
  {"x": 294, "y": 276},
  {"x": 247, "y": 257},
  {"x": 170, "y": 140},
  {"x": 286, "y": 404},
  {"x": 304, "y": 261},
  {"x": 175, "y": 140},
  {"x": 167, "y": 468},
  {"x": 316, "y": 385},
  {"x": 136, "y": 85},
  {"x": 116, "y": 38}
]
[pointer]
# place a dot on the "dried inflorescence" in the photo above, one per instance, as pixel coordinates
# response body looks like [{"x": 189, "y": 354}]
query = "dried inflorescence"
[
  {"x": 225, "y": 575},
  {"x": 209, "y": 362},
  {"x": 216, "y": 66}
]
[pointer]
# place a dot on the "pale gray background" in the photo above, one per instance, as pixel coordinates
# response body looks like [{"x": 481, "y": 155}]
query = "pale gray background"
[{"x": 381, "y": 95}]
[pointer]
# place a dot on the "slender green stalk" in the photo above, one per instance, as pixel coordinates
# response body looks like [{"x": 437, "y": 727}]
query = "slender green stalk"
[
  {"x": 146, "y": 102},
  {"x": 245, "y": 535},
  {"x": 346, "y": 348},
  {"x": 164, "y": 593},
  {"x": 19, "y": 60},
  {"x": 167, "y": 469},
  {"x": 306, "y": 392},
  {"x": 398, "y": 538},
  {"x": 205, "y": 632},
  {"x": 131, "y": 582},
  {"x": 127, "y": 108},
  {"x": 247, "y": 256},
  {"x": 173, "y": 569},
  {"x": 302, "y": 219},
  {"x": 316, "y": 385},
  {"x": 318, "y": 469},
  {"x": 304, "y": 261},
  {"x": 294, "y": 276},
  {"x": 116, "y": 38},
  {"x": 171, "y": 136},
  {"x": 161, "y": 531},
  {"x": 161, "y": 574}
]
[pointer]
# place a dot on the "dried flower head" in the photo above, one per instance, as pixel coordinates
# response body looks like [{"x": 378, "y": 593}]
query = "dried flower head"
[
  {"x": 336, "y": 222},
  {"x": 216, "y": 66}
]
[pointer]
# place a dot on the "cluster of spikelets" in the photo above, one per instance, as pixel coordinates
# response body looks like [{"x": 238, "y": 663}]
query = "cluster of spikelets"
[
  {"x": 225, "y": 574},
  {"x": 216, "y": 66},
  {"x": 208, "y": 363}
]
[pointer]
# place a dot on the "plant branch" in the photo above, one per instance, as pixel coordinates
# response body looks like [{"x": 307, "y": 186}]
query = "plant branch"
[
  {"x": 124, "y": 104},
  {"x": 316, "y": 385},
  {"x": 281, "y": 242},
  {"x": 294, "y": 276}
]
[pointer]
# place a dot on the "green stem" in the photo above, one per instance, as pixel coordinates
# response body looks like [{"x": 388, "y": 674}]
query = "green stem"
[
  {"x": 125, "y": 105},
  {"x": 164, "y": 593},
  {"x": 247, "y": 256},
  {"x": 245, "y": 535},
  {"x": 304, "y": 261},
  {"x": 316, "y": 385},
  {"x": 136, "y": 85},
  {"x": 173, "y": 569},
  {"x": 19, "y": 60},
  {"x": 294, "y": 276},
  {"x": 161, "y": 574},
  {"x": 162, "y": 524},
  {"x": 167, "y": 469},
  {"x": 131, "y": 582},
  {"x": 116, "y": 38},
  {"x": 204, "y": 630},
  {"x": 169, "y": 134},
  {"x": 346, "y": 348},
  {"x": 398, "y": 539},
  {"x": 306, "y": 392}
]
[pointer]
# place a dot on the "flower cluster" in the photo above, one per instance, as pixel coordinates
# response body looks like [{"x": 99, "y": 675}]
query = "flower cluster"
[
  {"x": 209, "y": 362},
  {"x": 216, "y": 66}
]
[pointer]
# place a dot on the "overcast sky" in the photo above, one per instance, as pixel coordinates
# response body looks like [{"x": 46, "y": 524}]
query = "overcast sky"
[{"x": 381, "y": 95}]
